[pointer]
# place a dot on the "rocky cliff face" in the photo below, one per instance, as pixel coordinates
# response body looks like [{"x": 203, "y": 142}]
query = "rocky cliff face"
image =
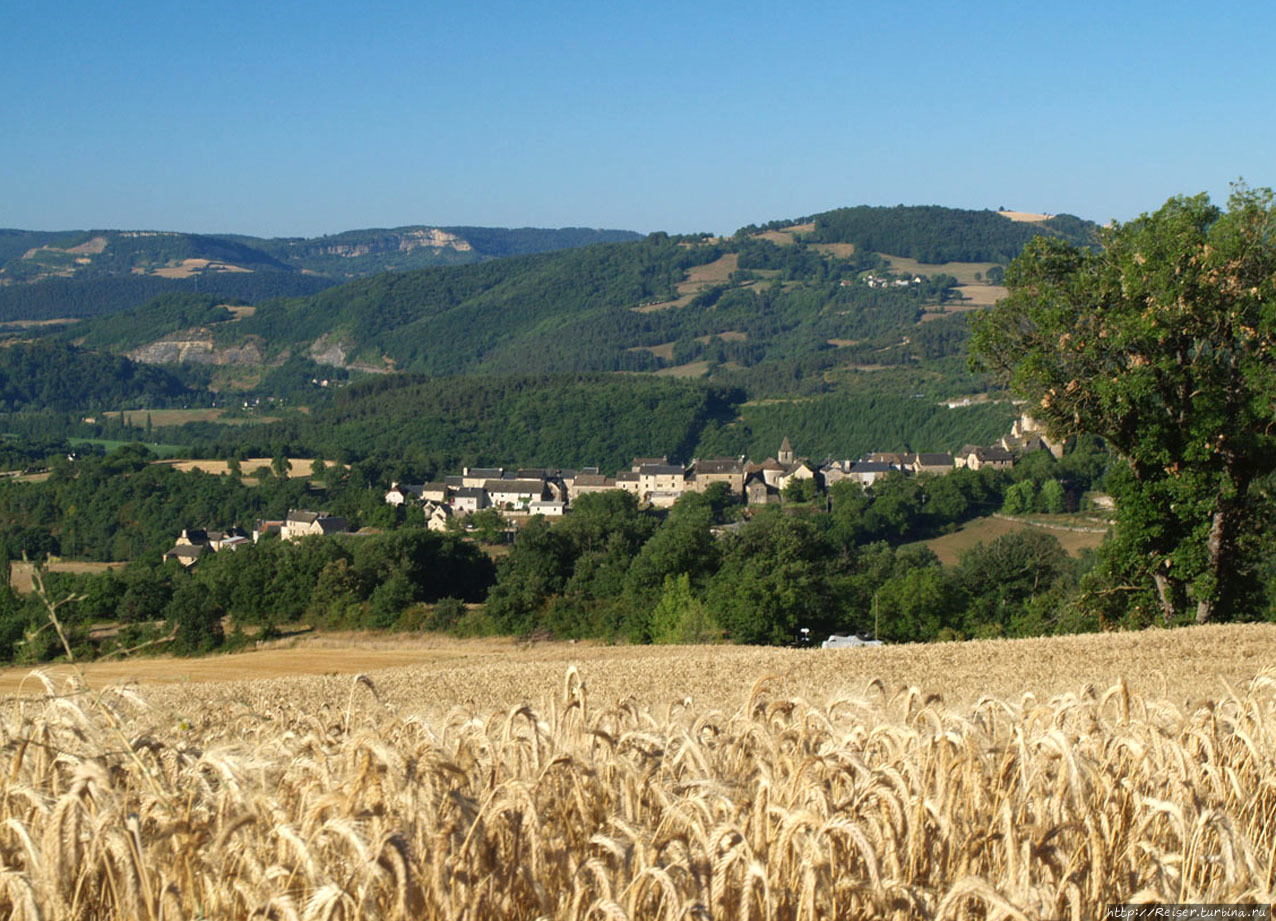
[
  {"x": 402, "y": 242},
  {"x": 196, "y": 347}
]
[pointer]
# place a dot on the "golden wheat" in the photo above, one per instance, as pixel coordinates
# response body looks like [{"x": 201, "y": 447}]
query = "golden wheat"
[{"x": 876, "y": 804}]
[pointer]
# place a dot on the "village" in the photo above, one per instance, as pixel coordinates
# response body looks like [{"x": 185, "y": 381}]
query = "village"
[{"x": 656, "y": 482}]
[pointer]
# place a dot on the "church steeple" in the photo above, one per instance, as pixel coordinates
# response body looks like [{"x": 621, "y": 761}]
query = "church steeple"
[{"x": 786, "y": 451}]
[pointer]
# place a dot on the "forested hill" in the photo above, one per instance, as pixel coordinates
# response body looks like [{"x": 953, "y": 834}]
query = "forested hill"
[
  {"x": 934, "y": 234},
  {"x": 44, "y": 275},
  {"x": 665, "y": 303}
]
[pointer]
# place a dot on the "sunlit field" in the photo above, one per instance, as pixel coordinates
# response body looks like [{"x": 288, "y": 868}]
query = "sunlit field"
[{"x": 1014, "y": 779}]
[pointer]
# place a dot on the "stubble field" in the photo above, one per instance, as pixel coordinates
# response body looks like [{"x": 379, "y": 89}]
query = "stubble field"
[{"x": 1027, "y": 779}]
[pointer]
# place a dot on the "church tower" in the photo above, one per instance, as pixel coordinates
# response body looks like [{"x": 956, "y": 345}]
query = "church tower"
[{"x": 786, "y": 452}]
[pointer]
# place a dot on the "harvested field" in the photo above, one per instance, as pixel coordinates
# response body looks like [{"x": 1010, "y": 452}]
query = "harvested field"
[
  {"x": 1074, "y": 532},
  {"x": 778, "y": 237},
  {"x": 728, "y": 336},
  {"x": 1014, "y": 779},
  {"x": 299, "y": 466},
  {"x": 21, "y": 573},
  {"x": 840, "y": 250},
  {"x": 713, "y": 273},
  {"x": 1025, "y": 216},
  {"x": 980, "y": 295}
]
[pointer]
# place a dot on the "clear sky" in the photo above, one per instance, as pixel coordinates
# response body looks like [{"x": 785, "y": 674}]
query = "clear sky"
[{"x": 280, "y": 118}]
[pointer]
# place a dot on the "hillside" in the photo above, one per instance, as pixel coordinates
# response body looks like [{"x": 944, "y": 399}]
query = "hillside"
[
  {"x": 87, "y": 273},
  {"x": 844, "y": 349},
  {"x": 690, "y": 306}
]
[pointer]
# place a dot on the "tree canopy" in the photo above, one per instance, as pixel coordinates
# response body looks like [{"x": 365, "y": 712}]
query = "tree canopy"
[{"x": 1160, "y": 342}]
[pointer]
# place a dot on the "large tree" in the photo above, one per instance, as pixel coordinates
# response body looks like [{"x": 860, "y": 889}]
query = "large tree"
[{"x": 1161, "y": 341}]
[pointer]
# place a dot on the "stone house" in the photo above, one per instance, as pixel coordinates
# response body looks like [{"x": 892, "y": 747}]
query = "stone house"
[
  {"x": 866, "y": 473},
  {"x": 729, "y": 470},
  {"x": 469, "y": 499},
  {"x": 299, "y": 523},
  {"x": 514, "y": 493},
  {"x": 933, "y": 464}
]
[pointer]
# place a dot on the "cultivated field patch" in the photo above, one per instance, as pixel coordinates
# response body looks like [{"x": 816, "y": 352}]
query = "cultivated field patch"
[
  {"x": 299, "y": 466},
  {"x": 691, "y": 369},
  {"x": 1075, "y": 533},
  {"x": 712, "y": 273},
  {"x": 167, "y": 417},
  {"x": 663, "y": 351},
  {"x": 964, "y": 272},
  {"x": 682, "y": 301},
  {"x": 22, "y": 573},
  {"x": 840, "y": 250}
]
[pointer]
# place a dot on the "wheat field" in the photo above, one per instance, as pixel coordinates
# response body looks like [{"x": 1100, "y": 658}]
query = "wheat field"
[{"x": 809, "y": 792}]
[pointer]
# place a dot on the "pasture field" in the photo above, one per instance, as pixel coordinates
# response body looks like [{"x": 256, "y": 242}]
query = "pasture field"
[
  {"x": 114, "y": 444},
  {"x": 997, "y": 779},
  {"x": 964, "y": 272},
  {"x": 1074, "y": 533},
  {"x": 168, "y": 417}
]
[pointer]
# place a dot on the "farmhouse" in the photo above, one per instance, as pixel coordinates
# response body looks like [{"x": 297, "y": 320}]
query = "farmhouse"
[
  {"x": 475, "y": 477},
  {"x": 866, "y": 473},
  {"x": 729, "y": 470},
  {"x": 469, "y": 499},
  {"x": 661, "y": 484},
  {"x": 933, "y": 464},
  {"x": 514, "y": 493},
  {"x": 299, "y": 523},
  {"x": 975, "y": 457},
  {"x": 586, "y": 483}
]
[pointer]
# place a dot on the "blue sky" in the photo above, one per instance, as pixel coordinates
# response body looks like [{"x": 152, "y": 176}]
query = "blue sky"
[{"x": 292, "y": 118}]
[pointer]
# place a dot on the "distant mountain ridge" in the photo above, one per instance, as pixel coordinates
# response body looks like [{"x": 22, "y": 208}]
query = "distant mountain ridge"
[
  {"x": 811, "y": 292},
  {"x": 90, "y": 272}
]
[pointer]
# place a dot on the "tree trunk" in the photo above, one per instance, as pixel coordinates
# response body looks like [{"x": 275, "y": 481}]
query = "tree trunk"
[
  {"x": 1166, "y": 594},
  {"x": 1214, "y": 547}
]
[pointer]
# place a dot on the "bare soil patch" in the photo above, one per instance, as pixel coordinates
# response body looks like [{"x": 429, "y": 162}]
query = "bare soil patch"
[
  {"x": 844, "y": 343},
  {"x": 35, "y": 324},
  {"x": 92, "y": 247},
  {"x": 240, "y": 310}
]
